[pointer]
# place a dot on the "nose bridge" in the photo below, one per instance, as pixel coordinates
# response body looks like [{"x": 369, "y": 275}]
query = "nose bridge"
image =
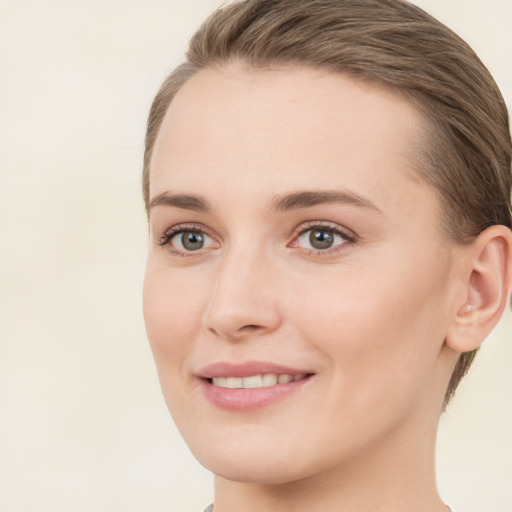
[{"x": 242, "y": 300}]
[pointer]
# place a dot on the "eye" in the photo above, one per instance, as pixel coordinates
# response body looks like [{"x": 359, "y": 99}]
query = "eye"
[
  {"x": 190, "y": 240},
  {"x": 183, "y": 239},
  {"x": 320, "y": 238}
]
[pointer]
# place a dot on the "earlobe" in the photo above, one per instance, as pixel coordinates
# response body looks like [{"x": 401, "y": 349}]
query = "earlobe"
[{"x": 487, "y": 277}]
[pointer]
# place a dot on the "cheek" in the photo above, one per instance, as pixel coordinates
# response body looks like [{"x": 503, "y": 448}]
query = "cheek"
[
  {"x": 172, "y": 317},
  {"x": 380, "y": 330}
]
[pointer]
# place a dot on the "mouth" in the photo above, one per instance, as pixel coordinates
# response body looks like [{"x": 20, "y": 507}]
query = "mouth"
[
  {"x": 252, "y": 385},
  {"x": 264, "y": 380}
]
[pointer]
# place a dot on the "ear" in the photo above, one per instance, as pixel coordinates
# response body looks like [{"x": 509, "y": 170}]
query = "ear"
[{"x": 487, "y": 281}]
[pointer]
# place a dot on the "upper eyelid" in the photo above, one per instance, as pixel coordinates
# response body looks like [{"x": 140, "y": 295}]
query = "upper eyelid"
[
  {"x": 187, "y": 226},
  {"x": 309, "y": 225}
]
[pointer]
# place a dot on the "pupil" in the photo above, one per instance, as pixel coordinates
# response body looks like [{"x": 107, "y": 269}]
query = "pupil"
[
  {"x": 192, "y": 241},
  {"x": 321, "y": 239}
]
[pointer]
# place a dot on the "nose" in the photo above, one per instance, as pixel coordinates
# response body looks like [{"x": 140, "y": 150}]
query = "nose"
[{"x": 244, "y": 300}]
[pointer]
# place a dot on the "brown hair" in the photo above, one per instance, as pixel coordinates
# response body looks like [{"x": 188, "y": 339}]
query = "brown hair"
[{"x": 467, "y": 157}]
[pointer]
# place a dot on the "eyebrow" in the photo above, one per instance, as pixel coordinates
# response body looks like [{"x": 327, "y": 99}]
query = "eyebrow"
[
  {"x": 307, "y": 199},
  {"x": 280, "y": 203},
  {"x": 184, "y": 201}
]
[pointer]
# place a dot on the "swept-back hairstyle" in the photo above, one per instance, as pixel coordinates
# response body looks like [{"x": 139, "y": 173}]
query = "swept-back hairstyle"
[{"x": 466, "y": 151}]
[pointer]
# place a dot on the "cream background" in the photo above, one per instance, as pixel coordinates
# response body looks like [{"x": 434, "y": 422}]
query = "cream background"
[{"x": 83, "y": 426}]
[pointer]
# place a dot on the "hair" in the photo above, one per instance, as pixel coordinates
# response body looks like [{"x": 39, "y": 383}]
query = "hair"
[{"x": 466, "y": 155}]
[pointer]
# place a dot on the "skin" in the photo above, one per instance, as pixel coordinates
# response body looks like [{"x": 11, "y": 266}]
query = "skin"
[{"x": 369, "y": 317}]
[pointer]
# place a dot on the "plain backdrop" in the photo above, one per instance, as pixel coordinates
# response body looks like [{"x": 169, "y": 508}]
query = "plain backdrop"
[{"x": 83, "y": 426}]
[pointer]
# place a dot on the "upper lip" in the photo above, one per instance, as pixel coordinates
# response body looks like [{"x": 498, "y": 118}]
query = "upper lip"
[{"x": 227, "y": 369}]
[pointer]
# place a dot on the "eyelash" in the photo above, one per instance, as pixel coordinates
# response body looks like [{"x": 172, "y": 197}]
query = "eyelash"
[{"x": 349, "y": 237}]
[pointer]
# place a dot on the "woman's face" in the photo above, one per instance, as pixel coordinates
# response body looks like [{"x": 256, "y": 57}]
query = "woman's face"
[{"x": 291, "y": 235}]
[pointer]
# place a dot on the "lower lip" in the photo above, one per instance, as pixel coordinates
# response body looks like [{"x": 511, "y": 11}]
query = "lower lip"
[{"x": 249, "y": 399}]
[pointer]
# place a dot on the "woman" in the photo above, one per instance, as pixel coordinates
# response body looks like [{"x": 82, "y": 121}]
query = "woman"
[{"x": 328, "y": 192}]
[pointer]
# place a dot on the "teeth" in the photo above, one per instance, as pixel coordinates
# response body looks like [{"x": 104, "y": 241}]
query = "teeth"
[
  {"x": 234, "y": 382},
  {"x": 255, "y": 381},
  {"x": 269, "y": 379}
]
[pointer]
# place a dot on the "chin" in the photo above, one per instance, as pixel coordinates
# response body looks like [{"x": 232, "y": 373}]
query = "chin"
[
  {"x": 249, "y": 464},
  {"x": 255, "y": 472}
]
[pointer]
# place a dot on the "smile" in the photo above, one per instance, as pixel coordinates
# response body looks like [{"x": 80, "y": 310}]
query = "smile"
[
  {"x": 256, "y": 381},
  {"x": 251, "y": 385}
]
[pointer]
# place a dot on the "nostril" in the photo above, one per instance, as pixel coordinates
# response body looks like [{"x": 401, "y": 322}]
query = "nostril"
[
  {"x": 237, "y": 333},
  {"x": 250, "y": 327}
]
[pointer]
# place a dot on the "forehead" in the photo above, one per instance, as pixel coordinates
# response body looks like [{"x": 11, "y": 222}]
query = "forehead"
[{"x": 269, "y": 127}]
